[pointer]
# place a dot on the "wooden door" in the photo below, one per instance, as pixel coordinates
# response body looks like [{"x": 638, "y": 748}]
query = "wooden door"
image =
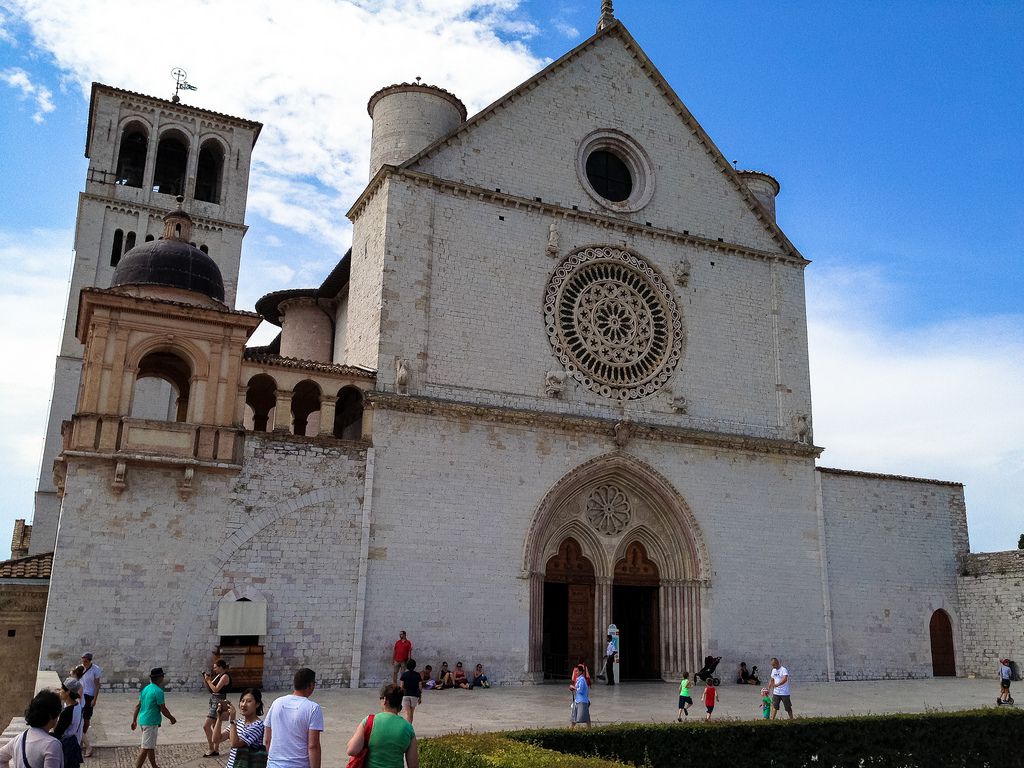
[
  {"x": 570, "y": 568},
  {"x": 943, "y": 656}
]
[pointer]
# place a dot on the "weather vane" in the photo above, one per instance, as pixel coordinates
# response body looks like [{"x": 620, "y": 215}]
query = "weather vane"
[{"x": 180, "y": 83}]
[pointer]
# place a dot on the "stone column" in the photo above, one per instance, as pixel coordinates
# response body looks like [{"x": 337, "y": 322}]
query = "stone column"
[
  {"x": 602, "y": 614},
  {"x": 327, "y": 405},
  {"x": 535, "y": 660},
  {"x": 283, "y": 411}
]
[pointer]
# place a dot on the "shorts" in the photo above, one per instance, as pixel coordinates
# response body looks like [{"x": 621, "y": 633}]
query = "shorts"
[
  {"x": 149, "y": 733},
  {"x": 685, "y": 701},
  {"x": 87, "y": 709},
  {"x": 410, "y": 702},
  {"x": 710, "y": 708},
  {"x": 1004, "y": 683},
  {"x": 580, "y": 712},
  {"x": 215, "y": 701},
  {"x": 784, "y": 700}
]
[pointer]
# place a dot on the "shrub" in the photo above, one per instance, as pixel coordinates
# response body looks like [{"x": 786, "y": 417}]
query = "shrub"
[{"x": 493, "y": 750}]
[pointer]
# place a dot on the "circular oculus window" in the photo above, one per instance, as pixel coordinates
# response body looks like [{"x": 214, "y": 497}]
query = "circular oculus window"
[
  {"x": 615, "y": 171},
  {"x": 613, "y": 323}
]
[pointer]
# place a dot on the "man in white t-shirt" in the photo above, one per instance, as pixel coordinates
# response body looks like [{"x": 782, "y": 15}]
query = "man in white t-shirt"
[
  {"x": 91, "y": 689},
  {"x": 293, "y": 725},
  {"x": 779, "y": 689}
]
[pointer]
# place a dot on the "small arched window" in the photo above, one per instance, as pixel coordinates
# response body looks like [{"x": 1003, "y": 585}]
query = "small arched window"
[
  {"x": 131, "y": 157},
  {"x": 129, "y": 242},
  {"x": 348, "y": 414},
  {"x": 162, "y": 387},
  {"x": 204, "y": 248},
  {"x": 116, "y": 247},
  {"x": 260, "y": 397},
  {"x": 171, "y": 158},
  {"x": 208, "y": 172},
  {"x": 149, "y": 238},
  {"x": 306, "y": 403}
]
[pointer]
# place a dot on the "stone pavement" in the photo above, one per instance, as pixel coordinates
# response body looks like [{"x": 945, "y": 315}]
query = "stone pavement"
[{"x": 502, "y": 708}]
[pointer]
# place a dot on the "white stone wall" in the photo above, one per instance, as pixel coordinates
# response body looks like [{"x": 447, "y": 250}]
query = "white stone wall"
[
  {"x": 892, "y": 546},
  {"x": 140, "y": 574},
  {"x": 529, "y": 148},
  {"x": 369, "y": 260},
  {"x": 463, "y": 296},
  {"x": 991, "y": 589},
  {"x": 454, "y": 499}
]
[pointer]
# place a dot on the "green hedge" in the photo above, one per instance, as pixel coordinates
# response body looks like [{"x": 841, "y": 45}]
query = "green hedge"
[
  {"x": 493, "y": 750},
  {"x": 989, "y": 737}
]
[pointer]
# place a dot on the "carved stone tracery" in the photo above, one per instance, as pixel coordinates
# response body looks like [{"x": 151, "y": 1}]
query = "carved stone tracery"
[
  {"x": 609, "y": 509},
  {"x": 613, "y": 323}
]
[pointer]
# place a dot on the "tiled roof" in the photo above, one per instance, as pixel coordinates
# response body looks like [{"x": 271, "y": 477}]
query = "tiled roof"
[
  {"x": 31, "y": 567},
  {"x": 254, "y": 355}
]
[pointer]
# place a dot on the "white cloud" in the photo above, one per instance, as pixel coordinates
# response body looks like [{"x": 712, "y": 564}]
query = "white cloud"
[
  {"x": 306, "y": 70},
  {"x": 944, "y": 401},
  {"x": 566, "y": 29},
  {"x": 18, "y": 78}
]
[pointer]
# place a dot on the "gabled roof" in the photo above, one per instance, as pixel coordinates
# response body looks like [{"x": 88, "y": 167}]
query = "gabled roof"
[
  {"x": 617, "y": 29},
  {"x": 31, "y": 567}
]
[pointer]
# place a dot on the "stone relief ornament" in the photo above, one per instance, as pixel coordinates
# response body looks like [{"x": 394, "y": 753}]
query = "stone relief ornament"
[
  {"x": 682, "y": 272},
  {"x": 402, "y": 376},
  {"x": 613, "y": 323},
  {"x": 623, "y": 431},
  {"x": 552, "y": 249},
  {"x": 679, "y": 404},
  {"x": 608, "y": 509},
  {"x": 802, "y": 427},
  {"x": 554, "y": 383}
]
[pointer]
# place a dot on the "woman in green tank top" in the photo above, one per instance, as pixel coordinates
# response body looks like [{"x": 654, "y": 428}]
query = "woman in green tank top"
[{"x": 392, "y": 739}]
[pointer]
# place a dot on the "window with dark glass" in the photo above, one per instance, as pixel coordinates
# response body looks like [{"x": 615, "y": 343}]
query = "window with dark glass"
[{"x": 609, "y": 176}]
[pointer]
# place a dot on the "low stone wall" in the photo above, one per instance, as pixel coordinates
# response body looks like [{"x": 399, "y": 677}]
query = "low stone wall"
[
  {"x": 22, "y": 609},
  {"x": 991, "y": 588}
]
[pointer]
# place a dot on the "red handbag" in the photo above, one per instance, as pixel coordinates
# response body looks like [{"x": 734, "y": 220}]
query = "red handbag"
[{"x": 359, "y": 761}]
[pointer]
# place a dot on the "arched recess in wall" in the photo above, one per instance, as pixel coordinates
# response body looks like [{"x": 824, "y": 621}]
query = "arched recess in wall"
[
  {"x": 306, "y": 408},
  {"x": 608, "y": 505},
  {"x": 260, "y": 399},
  {"x": 241, "y": 629},
  {"x": 171, "y": 162},
  {"x": 162, "y": 387},
  {"x": 210, "y": 171},
  {"x": 940, "y": 631},
  {"x": 131, "y": 155},
  {"x": 348, "y": 414}
]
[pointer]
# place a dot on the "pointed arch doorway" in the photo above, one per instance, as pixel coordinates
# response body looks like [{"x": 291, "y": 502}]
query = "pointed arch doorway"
[
  {"x": 623, "y": 522},
  {"x": 568, "y": 610}
]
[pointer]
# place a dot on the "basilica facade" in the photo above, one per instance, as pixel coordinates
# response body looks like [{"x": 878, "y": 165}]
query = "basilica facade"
[{"x": 559, "y": 381}]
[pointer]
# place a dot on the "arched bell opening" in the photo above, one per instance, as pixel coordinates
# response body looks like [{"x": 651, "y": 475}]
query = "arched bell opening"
[
  {"x": 209, "y": 171},
  {"x": 162, "y": 387},
  {"x": 131, "y": 156},
  {"x": 306, "y": 408},
  {"x": 260, "y": 399},
  {"x": 569, "y": 583},
  {"x": 171, "y": 160}
]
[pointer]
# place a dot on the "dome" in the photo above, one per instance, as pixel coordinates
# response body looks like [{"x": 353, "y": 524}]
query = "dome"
[{"x": 170, "y": 263}]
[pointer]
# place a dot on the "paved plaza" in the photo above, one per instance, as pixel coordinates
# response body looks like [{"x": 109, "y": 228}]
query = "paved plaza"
[{"x": 538, "y": 706}]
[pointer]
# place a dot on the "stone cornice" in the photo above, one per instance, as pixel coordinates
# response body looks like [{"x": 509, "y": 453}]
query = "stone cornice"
[
  {"x": 460, "y": 189},
  {"x": 592, "y": 425},
  {"x": 129, "y": 206},
  {"x": 881, "y": 476}
]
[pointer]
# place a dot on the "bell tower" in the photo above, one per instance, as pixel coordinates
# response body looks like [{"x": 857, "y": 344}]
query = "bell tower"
[{"x": 143, "y": 153}]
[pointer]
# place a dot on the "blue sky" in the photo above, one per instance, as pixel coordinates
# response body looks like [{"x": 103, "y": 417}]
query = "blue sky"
[{"x": 895, "y": 129}]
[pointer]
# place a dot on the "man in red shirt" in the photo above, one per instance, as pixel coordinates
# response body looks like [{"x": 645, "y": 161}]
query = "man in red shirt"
[{"x": 403, "y": 652}]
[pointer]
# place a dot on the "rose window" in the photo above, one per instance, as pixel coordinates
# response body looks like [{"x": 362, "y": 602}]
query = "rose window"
[
  {"x": 613, "y": 323},
  {"x": 608, "y": 509}
]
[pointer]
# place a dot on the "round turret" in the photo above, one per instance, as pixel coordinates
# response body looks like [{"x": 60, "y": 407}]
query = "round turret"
[
  {"x": 763, "y": 187},
  {"x": 408, "y": 118},
  {"x": 171, "y": 262}
]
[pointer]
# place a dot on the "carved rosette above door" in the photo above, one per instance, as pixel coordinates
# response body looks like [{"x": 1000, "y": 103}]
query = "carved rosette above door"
[{"x": 613, "y": 322}]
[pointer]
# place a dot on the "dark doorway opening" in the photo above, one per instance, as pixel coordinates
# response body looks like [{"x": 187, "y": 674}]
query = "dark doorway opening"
[
  {"x": 943, "y": 657},
  {"x": 635, "y": 613},
  {"x": 568, "y": 611}
]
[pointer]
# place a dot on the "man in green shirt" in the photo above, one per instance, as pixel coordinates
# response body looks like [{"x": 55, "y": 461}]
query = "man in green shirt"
[{"x": 147, "y": 714}]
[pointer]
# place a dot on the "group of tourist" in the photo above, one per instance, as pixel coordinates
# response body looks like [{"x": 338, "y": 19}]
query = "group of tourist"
[
  {"x": 772, "y": 697},
  {"x": 445, "y": 678}
]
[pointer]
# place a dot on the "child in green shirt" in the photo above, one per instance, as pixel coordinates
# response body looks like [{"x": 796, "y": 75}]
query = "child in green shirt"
[
  {"x": 766, "y": 703},
  {"x": 685, "y": 702}
]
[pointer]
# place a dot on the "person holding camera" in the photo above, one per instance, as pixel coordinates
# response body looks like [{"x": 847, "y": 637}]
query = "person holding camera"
[{"x": 218, "y": 684}]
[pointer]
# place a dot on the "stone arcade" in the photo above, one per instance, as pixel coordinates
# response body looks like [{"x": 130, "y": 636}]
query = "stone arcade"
[{"x": 559, "y": 380}]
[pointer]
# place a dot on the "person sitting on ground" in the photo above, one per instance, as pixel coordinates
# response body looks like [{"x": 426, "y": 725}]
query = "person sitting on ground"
[
  {"x": 754, "y": 679},
  {"x": 459, "y": 678},
  {"x": 743, "y": 677},
  {"x": 479, "y": 678},
  {"x": 427, "y": 678},
  {"x": 444, "y": 677},
  {"x": 392, "y": 739}
]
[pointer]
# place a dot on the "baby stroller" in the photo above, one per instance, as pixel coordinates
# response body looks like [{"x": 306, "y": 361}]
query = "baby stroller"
[{"x": 707, "y": 671}]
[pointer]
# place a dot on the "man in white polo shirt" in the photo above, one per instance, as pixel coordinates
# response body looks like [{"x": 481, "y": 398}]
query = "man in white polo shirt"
[
  {"x": 91, "y": 688},
  {"x": 779, "y": 689},
  {"x": 293, "y": 725}
]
